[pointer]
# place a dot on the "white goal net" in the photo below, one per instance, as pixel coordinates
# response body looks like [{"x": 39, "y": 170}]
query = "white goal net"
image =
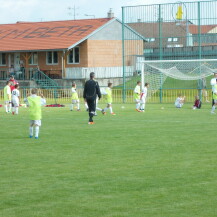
[{"x": 156, "y": 72}]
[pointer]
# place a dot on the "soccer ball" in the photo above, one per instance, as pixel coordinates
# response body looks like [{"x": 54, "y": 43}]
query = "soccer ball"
[{"x": 123, "y": 107}]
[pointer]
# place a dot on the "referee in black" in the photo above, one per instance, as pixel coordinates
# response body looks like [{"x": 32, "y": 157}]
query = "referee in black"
[{"x": 91, "y": 90}]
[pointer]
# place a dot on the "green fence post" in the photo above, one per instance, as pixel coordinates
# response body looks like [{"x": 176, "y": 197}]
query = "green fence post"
[
  {"x": 123, "y": 59},
  {"x": 199, "y": 49},
  {"x": 161, "y": 51}
]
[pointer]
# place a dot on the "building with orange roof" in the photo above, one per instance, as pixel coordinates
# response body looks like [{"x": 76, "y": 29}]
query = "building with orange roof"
[{"x": 63, "y": 49}]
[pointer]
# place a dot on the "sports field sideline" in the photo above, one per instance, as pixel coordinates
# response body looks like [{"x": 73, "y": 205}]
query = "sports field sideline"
[{"x": 158, "y": 163}]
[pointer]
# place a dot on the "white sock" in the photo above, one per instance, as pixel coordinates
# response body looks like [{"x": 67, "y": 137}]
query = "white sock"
[
  {"x": 213, "y": 108},
  {"x": 6, "y": 108},
  {"x": 16, "y": 110},
  {"x": 110, "y": 109},
  {"x": 137, "y": 105},
  {"x": 71, "y": 107},
  {"x": 105, "y": 109},
  {"x": 36, "y": 131},
  {"x": 13, "y": 109},
  {"x": 78, "y": 105},
  {"x": 142, "y": 106},
  {"x": 99, "y": 109},
  {"x": 31, "y": 131},
  {"x": 9, "y": 107},
  {"x": 86, "y": 106}
]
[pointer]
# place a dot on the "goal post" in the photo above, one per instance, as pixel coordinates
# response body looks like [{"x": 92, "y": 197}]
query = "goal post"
[{"x": 156, "y": 72}]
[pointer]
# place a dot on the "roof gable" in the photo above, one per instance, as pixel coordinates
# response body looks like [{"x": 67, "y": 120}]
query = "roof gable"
[{"x": 53, "y": 35}]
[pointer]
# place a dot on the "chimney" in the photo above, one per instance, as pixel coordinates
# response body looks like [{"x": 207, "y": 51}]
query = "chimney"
[{"x": 110, "y": 13}]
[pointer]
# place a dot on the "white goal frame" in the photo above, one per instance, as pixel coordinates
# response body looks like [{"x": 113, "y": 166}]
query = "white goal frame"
[{"x": 168, "y": 61}]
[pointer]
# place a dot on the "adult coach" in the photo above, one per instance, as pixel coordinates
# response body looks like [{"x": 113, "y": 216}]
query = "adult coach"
[
  {"x": 213, "y": 82},
  {"x": 91, "y": 90}
]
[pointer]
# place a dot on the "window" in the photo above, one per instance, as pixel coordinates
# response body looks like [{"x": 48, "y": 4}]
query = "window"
[
  {"x": 150, "y": 39},
  {"x": 172, "y": 39},
  {"x": 148, "y": 51},
  {"x": 178, "y": 45},
  {"x": 33, "y": 60},
  {"x": 52, "y": 57},
  {"x": 74, "y": 56},
  {"x": 2, "y": 59}
]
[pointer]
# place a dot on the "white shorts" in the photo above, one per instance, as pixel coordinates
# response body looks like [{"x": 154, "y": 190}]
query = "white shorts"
[
  {"x": 7, "y": 102},
  {"x": 35, "y": 122},
  {"x": 143, "y": 101},
  {"x": 75, "y": 101},
  {"x": 15, "y": 102},
  {"x": 179, "y": 105},
  {"x": 137, "y": 100}
]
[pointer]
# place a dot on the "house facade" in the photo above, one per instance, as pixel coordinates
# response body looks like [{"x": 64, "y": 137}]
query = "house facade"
[{"x": 63, "y": 49}]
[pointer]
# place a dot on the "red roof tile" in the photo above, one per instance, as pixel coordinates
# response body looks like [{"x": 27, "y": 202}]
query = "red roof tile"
[
  {"x": 193, "y": 29},
  {"x": 52, "y": 35}
]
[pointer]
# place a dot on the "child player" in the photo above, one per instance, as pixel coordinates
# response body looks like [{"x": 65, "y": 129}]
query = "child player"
[
  {"x": 75, "y": 99},
  {"x": 179, "y": 101},
  {"x": 108, "y": 93},
  {"x": 15, "y": 99},
  {"x": 143, "y": 97},
  {"x": 34, "y": 103},
  {"x": 136, "y": 95},
  {"x": 214, "y": 96},
  {"x": 7, "y": 96},
  {"x": 197, "y": 103}
]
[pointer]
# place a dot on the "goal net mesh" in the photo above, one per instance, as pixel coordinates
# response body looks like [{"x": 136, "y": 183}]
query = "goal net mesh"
[{"x": 156, "y": 72}]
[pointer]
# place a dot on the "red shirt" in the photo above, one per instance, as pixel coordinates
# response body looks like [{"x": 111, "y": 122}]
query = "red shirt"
[
  {"x": 13, "y": 82},
  {"x": 197, "y": 103}
]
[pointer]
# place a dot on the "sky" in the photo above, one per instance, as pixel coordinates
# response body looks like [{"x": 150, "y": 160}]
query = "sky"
[{"x": 12, "y": 11}]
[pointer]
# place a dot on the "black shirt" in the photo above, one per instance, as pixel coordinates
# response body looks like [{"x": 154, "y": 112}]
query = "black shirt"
[{"x": 91, "y": 89}]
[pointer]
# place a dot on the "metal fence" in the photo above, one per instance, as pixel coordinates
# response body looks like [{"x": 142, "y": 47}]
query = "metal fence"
[
  {"x": 182, "y": 30},
  {"x": 64, "y": 95}
]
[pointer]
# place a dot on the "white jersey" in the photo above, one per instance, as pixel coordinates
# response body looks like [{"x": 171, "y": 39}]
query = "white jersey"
[
  {"x": 15, "y": 94},
  {"x": 213, "y": 83},
  {"x": 144, "y": 92},
  {"x": 179, "y": 101}
]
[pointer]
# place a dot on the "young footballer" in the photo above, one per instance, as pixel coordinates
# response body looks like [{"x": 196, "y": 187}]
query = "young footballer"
[
  {"x": 197, "y": 103},
  {"x": 75, "y": 99},
  {"x": 143, "y": 97},
  {"x": 108, "y": 94},
  {"x": 179, "y": 101},
  {"x": 7, "y": 97},
  {"x": 15, "y": 99},
  {"x": 136, "y": 95},
  {"x": 214, "y": 96},
  {"x": 34, "y": 103}
]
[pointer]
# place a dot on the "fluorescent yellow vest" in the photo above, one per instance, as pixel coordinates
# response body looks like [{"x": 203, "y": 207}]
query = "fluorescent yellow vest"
[
  {"x": 136, "y": 96},
  {"x": 214, "y": 95},
  {"x": 34, "y": 107},
  {"x": 6, "y": 90},
  {"x": 109, "y": 95},
  {"x": 74, "y": 95}
]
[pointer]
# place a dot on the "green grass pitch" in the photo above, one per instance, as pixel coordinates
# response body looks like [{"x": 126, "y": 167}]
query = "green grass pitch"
[{"x": 161, "y": 163}]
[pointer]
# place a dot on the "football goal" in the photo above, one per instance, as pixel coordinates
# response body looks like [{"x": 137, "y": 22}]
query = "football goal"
[{"x": 157, "y": 71}]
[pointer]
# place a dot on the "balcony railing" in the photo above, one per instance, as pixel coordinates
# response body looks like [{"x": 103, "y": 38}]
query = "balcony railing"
[{"x": 28, "y": 73}]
